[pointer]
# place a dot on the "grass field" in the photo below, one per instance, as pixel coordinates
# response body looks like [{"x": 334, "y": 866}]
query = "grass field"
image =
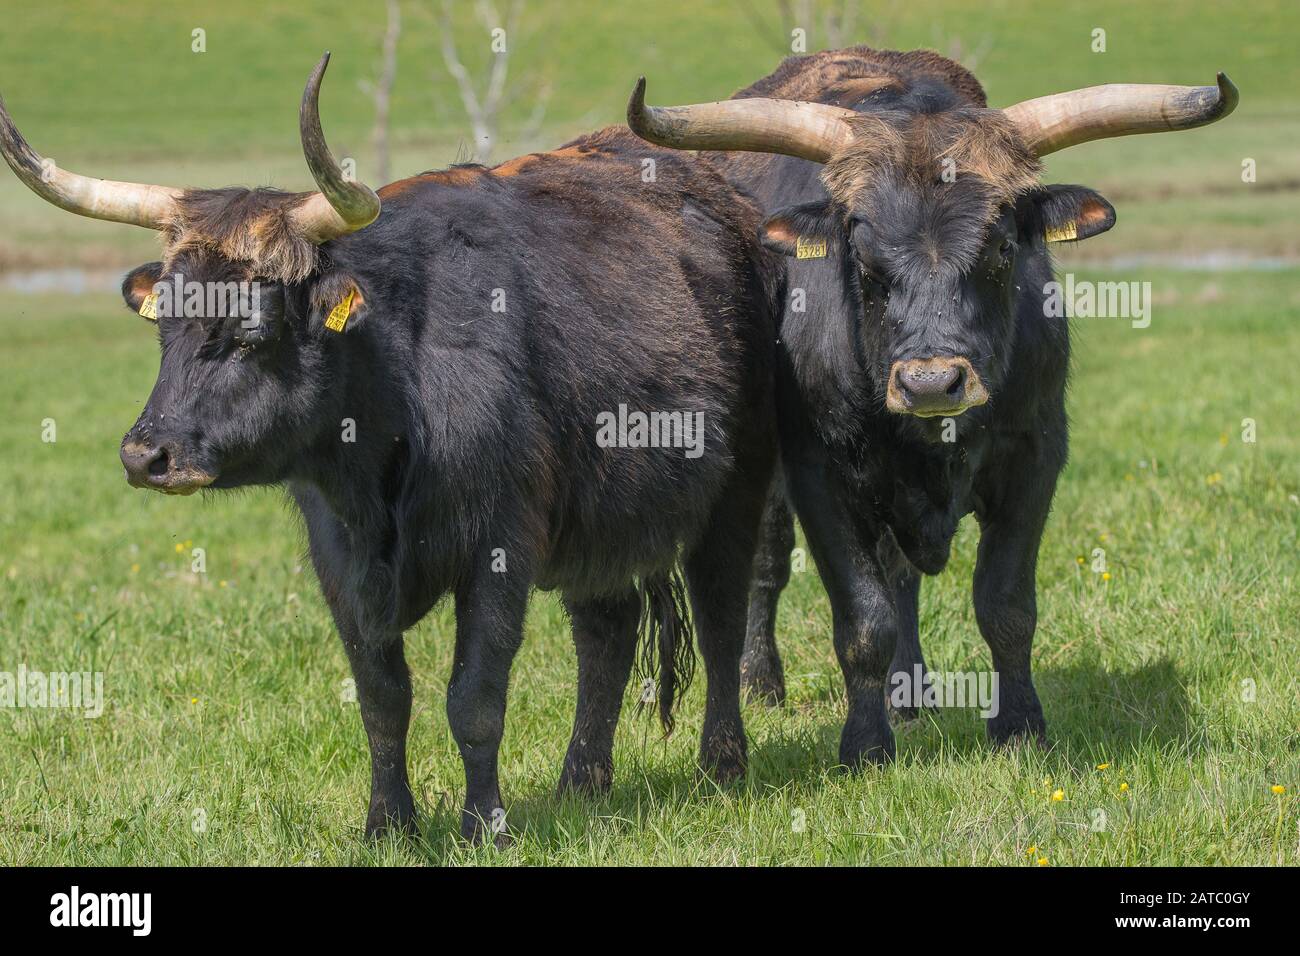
[{"x": 228, "y": 736}]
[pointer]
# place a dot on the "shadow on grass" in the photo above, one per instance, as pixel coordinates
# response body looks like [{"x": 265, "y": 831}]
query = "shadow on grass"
[
  {"x": 1093, "y": 714},
  {"x": 549, "y": 823},
  {"x": 1092, "y": 709}
]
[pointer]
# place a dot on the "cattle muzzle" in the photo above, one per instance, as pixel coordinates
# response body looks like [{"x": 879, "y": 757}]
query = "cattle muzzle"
[
  {"x": 943, "y": 385},
  {"x": 160, "y": 467}
]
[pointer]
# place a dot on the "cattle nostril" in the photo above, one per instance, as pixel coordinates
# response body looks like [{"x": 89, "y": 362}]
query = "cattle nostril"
[
  {"x": 159, "y": 463},
  {"x": 145, "y": 464},
  {"x": 929, "y": 380},
  {"x": 941, "y": 385}
]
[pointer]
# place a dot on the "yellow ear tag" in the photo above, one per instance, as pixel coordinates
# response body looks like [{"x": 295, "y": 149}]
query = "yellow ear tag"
[
  {"x": 149, "y": 307},
  {"x": 1062, "y": 233},
  {"x": 338, "y": 318},
  {"x": 809, "y": 248}
]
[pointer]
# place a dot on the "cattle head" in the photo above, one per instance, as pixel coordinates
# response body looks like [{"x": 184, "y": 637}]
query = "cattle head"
[
  {"x": 934, "y": 209},
  {"x": 242, "y": 297}
]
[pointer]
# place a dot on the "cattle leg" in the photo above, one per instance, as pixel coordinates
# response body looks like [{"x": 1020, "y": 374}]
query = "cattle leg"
[
  {"x": 761, "y": 674},
  {"x": 384, "y": 695},
  {"x": 909, "y": 663},
  {"x": 489, "y": 629},
  {"x": 717, "y": 574},
  {"x": 864, "y": 621},
  {"x": 1006, "y": 609},
  {"x": 605, "y": 635}
]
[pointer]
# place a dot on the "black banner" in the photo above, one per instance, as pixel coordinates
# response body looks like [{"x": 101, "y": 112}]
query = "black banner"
[{"x": 333, "y": 905}]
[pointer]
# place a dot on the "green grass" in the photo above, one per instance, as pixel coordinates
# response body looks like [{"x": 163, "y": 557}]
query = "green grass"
[
  {"x": 225, "y": 694},
  {"x": 225, "y": 691}
]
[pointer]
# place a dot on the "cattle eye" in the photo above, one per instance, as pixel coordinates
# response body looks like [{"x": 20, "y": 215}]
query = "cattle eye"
[
  {"x": 870, "y": 276},
  {"x": 864, "y": 270},
  {"x": 1006, "y": 250}
]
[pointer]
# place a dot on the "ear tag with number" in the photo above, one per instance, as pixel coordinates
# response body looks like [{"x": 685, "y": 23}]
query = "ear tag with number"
[
  {"x": 809, "y": 248},
  {"x": 149, "y": 307},
  {"x": 338, "y": 318},
  {"x": 1062, "y": 233}
]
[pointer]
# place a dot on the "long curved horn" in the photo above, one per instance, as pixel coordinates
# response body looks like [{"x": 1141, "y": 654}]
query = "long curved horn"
[
  {"x": 1052, "y": 123},
  {"x": 341, "y": 206},
  {"x": 813, "y": 131},
  {"x": 135, "y": 203}
]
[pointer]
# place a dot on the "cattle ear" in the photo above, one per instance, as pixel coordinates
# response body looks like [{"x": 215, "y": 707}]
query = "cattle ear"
[
  {"x": 804, "y": 231},
  {"x": 1067, "y": 213},
  {"x": 338, "y": 304},
  {"x": 138, "y": 286}
]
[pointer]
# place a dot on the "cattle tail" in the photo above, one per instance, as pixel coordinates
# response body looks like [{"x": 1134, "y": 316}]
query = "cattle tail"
[{"x": 666, "y": 642}]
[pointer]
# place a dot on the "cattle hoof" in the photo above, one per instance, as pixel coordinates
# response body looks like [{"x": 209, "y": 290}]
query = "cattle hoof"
[
  {"x": 1016, "y": 733},
  {"x": 869, "y": 759},
  {"x": 766, "y": 693},
  {"x": 857, "y": 756},
  {"x": 724, "y": 758},
  {"x": 586, "y": 779},
  {"x": 381, "y": 827},
  {"x": 724, "y": 773},
  {"x": 903, "y": 715},
  {"x": 1026, "y": 739},
  {"x": 762, "y": 680},
  {"x": 480, "y": 831},
  {"x": 499, "y": 841}
]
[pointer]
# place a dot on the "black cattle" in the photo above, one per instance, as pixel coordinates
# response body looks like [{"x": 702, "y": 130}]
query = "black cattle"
[
  {"x": 920, "y": 376},
  {"x": 450, "y": 391}
]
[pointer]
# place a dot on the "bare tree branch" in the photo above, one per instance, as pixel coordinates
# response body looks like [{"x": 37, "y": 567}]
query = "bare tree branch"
[
  {"x": 773, "y": 36},
  {"x": 483, "y": 109},
  {"x": 839, "y": 24},
  {"x": 955, "y": 49},
  {"x": 382, "y": 91},
  {"x": 832, "y": 24},
  {"x": 832, "y": 29}
]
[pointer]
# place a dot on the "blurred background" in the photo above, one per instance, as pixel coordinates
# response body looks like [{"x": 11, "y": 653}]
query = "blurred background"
[{"x": 116, "y": 90}]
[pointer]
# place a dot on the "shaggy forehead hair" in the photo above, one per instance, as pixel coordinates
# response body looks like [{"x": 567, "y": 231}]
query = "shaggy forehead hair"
[
  {"x": 248, "y": 227},
  {"x": 912, "y": 147}
]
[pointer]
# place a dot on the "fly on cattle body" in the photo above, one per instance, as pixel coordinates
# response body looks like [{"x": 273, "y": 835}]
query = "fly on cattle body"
[
  {"x": 426, "y": 371},
  {"x": 920, "y": 376}
]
